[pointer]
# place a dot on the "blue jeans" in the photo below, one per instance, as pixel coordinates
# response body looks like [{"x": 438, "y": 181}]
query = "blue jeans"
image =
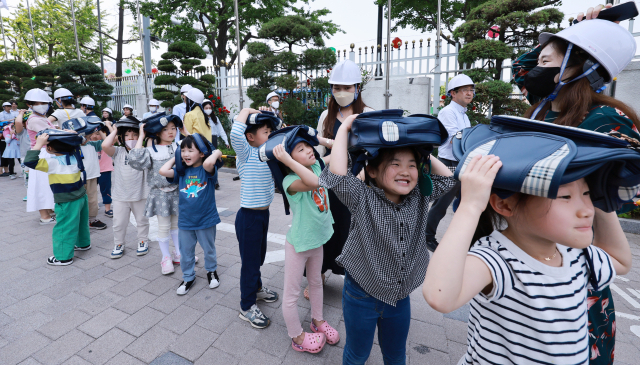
[
  {"x": 362, "y": 313},
  {"x": 105, "y": 186},
  {"x": 251, "y": 231},
  {"x": 188, "y": 238}
]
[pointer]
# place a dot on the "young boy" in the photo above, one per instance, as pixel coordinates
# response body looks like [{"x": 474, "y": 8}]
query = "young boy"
[
  {"x": 195, "y": 175},
  {"x": 71, "y": 231},
  {"x": 250, "y": 130}
]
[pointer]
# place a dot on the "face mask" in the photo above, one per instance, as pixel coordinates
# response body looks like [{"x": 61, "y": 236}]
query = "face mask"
[
  {"x": 344, "y": 98},
  {"x": 540, "y": 81},
  {"x": 208, "y": 111},
  {"x": 153, "y": 109},
  {"x": 131, "y": 144},
  {"x": 40, "y": 109},
  {"x": 275, "y": 104}
]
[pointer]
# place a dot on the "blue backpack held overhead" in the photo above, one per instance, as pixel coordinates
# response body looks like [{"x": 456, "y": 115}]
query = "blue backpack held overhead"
[
  {"x": 84, "y": 125},
  {"x": 262, "y": 118},
  {"x": 71, "y": 139},
  {"x": 203, "y": 145},
  {"x": 154, "y": 124},
  {"x": 289, "y": 137}
]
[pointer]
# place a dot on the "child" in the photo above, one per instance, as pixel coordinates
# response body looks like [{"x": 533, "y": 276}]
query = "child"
[
  {"x": 66, "y": 102},
  {"x": 104, "y": 181},
  {"x": 129, "y": 188},
  {"x": 310, "y": 230},
  {"x": 12, "y": 151},
  {"x": 163, "y": 196},
  {"x": 72, "y": 230},
  {"x": 385, "y": 254},
  {"x": 25, "y": 143},
  {"x": 195, "y": 173},
  {"x": 252, "y": 220}
]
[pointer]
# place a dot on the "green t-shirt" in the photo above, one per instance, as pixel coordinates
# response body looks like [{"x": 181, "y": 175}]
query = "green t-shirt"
[{"x": 312, "y": 224}]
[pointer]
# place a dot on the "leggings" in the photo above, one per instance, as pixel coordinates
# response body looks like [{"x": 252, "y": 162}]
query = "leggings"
[{"x": 167, "y": 224}]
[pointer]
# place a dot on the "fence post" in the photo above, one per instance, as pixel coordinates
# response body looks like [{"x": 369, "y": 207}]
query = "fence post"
[
  {"x": 436, "y": 80},
  {"x": 352, "y": 53}
]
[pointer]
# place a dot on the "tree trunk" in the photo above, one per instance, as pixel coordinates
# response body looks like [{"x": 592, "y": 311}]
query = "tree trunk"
[
  {"x": 223, "y": 38},
  {"x": 120, "y": 40}
]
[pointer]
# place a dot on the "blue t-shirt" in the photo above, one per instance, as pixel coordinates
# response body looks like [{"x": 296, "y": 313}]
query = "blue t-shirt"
[{"x": 197, "y": 202}]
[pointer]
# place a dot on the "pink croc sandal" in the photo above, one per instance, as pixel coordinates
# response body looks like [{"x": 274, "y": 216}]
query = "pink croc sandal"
[
  {"x": 313, "y": 343},
  {"x": 332, "y": 335}
]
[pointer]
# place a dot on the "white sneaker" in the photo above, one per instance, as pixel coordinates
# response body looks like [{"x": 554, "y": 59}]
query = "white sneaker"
[
  {"x": 51, "y": 220},
  {"x": 167, "y": 266},
  {"x": 184, "y": 287},
  {"x": 143, "y": 248},
  {"x": 214, "y": 280},
  {"x": 117, "y": 252},
  {"x": 13, "y": 177}
]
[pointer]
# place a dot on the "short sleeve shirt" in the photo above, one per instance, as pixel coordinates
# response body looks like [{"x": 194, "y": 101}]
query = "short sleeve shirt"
[
  {"x": 127, "y": 183},
  {"x": 197, "y": 202},
  {"x": 312, "y": 223}
]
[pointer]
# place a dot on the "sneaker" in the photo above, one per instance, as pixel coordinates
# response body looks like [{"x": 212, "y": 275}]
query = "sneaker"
[
  {"x": 13, "y": 177},
  {"x": 4, "y": 174},
  {"x": 185, "y": 286},
  {"x": 217, "y": 186},
  {"x": 55, "y": 262},
  {"x": 143, "y": 248},
  {"x": 214, "y": 280},
  {"x": 97, "y": 225},
  {"x": 86, "y": 248},
  {"x": 176, "y": 258},
  {"x": 24, "y": 199},
  {"x": 266, "y": 295},
  {"x": 108, "y": 213},
  {"x": 51, "y": 220},
  {"x": 255, "y": 317},
  {"x": 167, "y": 266},
  {"x": 432, "y": 244},
  {"x": 117, "y": 252}
]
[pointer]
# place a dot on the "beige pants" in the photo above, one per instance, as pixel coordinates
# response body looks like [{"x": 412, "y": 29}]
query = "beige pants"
[
  {"x": 92, "y": 193},
  {"x": 121, "y": 213}
]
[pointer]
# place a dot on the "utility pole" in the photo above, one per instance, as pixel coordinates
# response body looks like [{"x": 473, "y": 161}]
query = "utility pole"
[
  {"x": 6, "y": 53},
  {"x": 379, "y": 43},
  {"x": 35, "y": 50},
  {"x": 100, "y": 37},
  {"x": 144, "y": 73},
  {"x": 387, "y": 94},
  {"x": 235, "y": 3},
  {"x": 75, "y": 31}
]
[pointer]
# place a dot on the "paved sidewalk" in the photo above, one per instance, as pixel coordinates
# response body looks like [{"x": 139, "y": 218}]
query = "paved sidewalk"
[{"x": 104, "y": 311}]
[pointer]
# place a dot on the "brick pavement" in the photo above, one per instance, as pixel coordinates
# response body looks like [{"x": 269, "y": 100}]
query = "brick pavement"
[{"x": 104, "y": 311}]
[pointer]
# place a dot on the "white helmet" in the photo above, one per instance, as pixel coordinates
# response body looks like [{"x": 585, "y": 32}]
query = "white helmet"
[
  {"x": 87, "y": 101},
  {"x": 346, "y": 72},
  {"x": 458, "y": 81},
  {"x": 6, "y": 103},
  {"x": 609, "y": 43},
  {"x": 61, "y": 93},
  {"x": 127, "y": 106},
  {"x": 153, "y": 102},
  {"x": 37, "y": 95},
  {"x": 185, "y": 88},
  {"x": 272, "y": 94},
  {"x": 108, "y": 110},
  {"x": 195, "y": 95}
]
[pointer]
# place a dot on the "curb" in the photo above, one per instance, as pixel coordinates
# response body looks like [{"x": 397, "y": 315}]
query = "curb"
[{"x": 630, "y": 225}]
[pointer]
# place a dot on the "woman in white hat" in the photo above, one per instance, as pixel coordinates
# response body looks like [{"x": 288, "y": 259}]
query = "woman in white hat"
[
  {"x": 273, "y": 100},
  {"x": 194, "y": 120},
  {"x": 153, "y": 105}
]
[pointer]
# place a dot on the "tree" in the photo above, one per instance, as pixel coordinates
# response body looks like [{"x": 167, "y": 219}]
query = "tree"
[
  {"x": 13, "y": 75},
  {"x": 84, "y": 78},
  {"x": 53, "y": 29}
]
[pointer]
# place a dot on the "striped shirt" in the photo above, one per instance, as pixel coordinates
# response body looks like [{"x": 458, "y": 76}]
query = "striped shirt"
[
  {"x": 256, "y": 182},
  {"x": 65, "y": 179},
  {"x": 127, "y": 183},
  {"x": 535, "y": 313}
]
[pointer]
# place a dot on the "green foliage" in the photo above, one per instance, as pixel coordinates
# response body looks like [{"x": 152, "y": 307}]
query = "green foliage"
[
  {"x": 209, "y": 79},
  {"x": 84, "y": 78},
  {"x": 484, "y": 49},
  {"x": 187, "y": 50},
  {"x": 166, "y": 66},
  {"x": 13, "y": 76},
  {"x": 165, "y": 80}
]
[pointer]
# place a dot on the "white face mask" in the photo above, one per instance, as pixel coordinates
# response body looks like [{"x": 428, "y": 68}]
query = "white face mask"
[
  {"x": 131, "y": 143},
  {"x": 275, "y": 104},
  {"x": 153, "y": 109},
  {"x": 208, "y": 111},
  {"x": 40, "y": 109},
  {"x": 344, "y": 98}
]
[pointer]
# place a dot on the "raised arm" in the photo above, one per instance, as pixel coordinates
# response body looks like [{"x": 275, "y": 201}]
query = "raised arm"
[
  {"x": 18, "y": 122},
  {"x": 141, "y": 136},
  {"x": 340, "y": 160},
  {"x": 210, "y": 163},
  {"x": 107, "y": 144},
  {"x": 308, "y": 180},
  {"x": 609, "y": 236},
  {"x": 167, "y": 169}
]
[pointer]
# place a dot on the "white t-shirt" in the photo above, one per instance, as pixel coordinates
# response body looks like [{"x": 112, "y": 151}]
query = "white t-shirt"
[
  {"x": 454, "y": 118},
  {"x": 535, "y": 314},
  {"x": 90, "y": 159},
  {"x": 62, "y": 115}
]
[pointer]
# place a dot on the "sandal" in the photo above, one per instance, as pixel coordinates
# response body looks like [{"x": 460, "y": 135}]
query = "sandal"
[
  {"x": 306, "y": 290},
  {"x": 330, "y": 333},
  {"x": 312, "y": 343}
]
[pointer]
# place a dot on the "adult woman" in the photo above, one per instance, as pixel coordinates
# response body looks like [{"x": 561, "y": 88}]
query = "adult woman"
[
  {"x": 273, "y": 100},
  {"x": 194, "y": 119},
  {"x": 345, "y": 100},
  {"x": 107, "y": 114},
  {"x": 216, "y": 127},
  {"x": 567, "y": 72}
]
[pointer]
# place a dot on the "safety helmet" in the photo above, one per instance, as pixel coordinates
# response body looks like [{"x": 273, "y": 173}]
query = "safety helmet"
[
  {"x": 272, "y": 94},
  {"x": 153, "y": 102},
  {"x": 185, "y": 88},
  {"x": 127, "y": 106},
  {"x": 195, "y": 95},
  {"x": 459, "y": 81},
  {"x": 607, "y": 42},
  {"x": 6, "y": 103},
  {"x": 87, "y": 101},
  {"x": 108, "y": 110},
  {"x": 62, "y": 93},
  {"x": 345, "y": 72},
  {"x": 37, "y": 95}
]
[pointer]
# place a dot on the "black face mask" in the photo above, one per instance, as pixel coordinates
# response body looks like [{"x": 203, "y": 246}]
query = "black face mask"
[{"x": 540, "y": 81}]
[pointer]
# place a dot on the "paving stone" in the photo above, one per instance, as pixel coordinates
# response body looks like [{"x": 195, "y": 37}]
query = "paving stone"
[
  {"x": 24, "y": 326},
  {"x": 141, "y": 321},
  {"x": 63, "y": 348},
  {"x": 96, "y": 287},
  {"x": 63, "y": 324},
  {"x": 216, "y": 356},
  {"x": 181, "y": 319},
  {"x": 125, "y": 260},
  {"x": 124, "y": 359},
  {"x": 107, "y": 346},
  {"x": 235, "y": 334},
  {"x": 204, "y": 299},
  {"x": 96, "y": 273},
  {"x": 134, "y": 302},
  {"x": 255, "y": 356},
  {"x": 62, "y": 289},
  {"x": 421, "y": 354},
  {"x": 456, "y": 350},
  {"x": 30, "y": 361},
  {"x": 274, "y": 340},
  {"x": 129, "y": 286},
  {"x": 150, "y": 345},
  {"x": 22, "y": 348},
  {"x": 161, "y": 285},
  {"x": 100, "y": 324},
  {"x": 461, "y": 314},
  {"x": 100, "y": 302},
  {"x": 170, "y": 358},
  {"x": 90, "y": 262},
  {"x": 194, "y": 342},
  {"x": 76, "y": 360},
  {"x": 456, "y": 330},
  {"x": 428, "y": 334},
  {"x": 27, "y": 306},
  {"x": 169, "y": 301},
  {"x": 219, "y": 318},
  {"x": 64, "y": 304},
  {"x": 123, "y": 273}
]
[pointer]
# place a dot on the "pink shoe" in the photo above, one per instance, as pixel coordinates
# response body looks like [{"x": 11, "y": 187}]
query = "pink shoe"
[
  {"x": 313, "y": 343},
  {"x": 332, "y": 335},
  {"x": 167, "y": 266},
  {"x": 176, "y": 258}
]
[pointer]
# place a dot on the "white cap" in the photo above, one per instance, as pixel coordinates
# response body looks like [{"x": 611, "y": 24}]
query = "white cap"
[
  {"x": 272, "y": 94},
  {"x": 185, "y": 88},
  {"x": 6, "y": 103},
  {"x": 609, "y": 43},
  {"x": 458, "y": 81},
  {"x": 195, "y": 95},
  {"x": 37, "y": 95},
  {"x": 346, "y": 72},
  {"x": 153, "y": 102},
  {"x": 87, "y": 101},
  {"x": 61, "y": 93},
  {"x": 127, "y": 106},
  {"x": 108, "y": 110}
]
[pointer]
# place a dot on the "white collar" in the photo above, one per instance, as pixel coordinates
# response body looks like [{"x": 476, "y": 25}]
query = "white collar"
[{"x": 458, "y": 107}]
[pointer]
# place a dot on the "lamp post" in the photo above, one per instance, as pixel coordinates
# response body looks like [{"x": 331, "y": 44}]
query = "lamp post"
[
  {"x": 75, "y": 31},
  {"x": 235, "y": 4},
  {"x": 379, "y": 43},
  {"x": 35, "y": 50},
  {"x": 387, "y": 94}
]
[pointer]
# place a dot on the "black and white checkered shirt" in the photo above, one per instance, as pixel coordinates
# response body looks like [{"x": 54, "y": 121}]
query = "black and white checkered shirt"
[{"x": 386, "y": 252}]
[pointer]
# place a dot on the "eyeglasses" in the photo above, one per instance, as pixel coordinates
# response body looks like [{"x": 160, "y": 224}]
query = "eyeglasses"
[{"x": 467, "y": 91}]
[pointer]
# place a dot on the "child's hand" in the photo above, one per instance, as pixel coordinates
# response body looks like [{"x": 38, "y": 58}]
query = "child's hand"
[
  {"x": 265, "y": 108},
  {"x": 477, "y": 181},
  {"x": 41, "y": 141},
  {"x": 281, "y": 154},
  {"x": 348, "y": 122},
  {"x": 109, "y": 125},
  {"x": 184, "y": 131},
  {"x": 141, "y": 134}
]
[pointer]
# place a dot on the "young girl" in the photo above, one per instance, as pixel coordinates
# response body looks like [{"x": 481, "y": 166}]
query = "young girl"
[
  {"x": 129, "y": 189},
  {"x": 310, "y": 230},
  {"x": 163, "y": 196},
  {"x": 66, "y": 102},
  {"x": 385, "y": 254},
  {"x": 12, "y": 151},
  {"x": 104, "y": 181},
  {"x": 527, "y": 283}
]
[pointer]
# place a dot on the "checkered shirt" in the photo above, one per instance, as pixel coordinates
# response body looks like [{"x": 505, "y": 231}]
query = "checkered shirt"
[{"x": 386, "y": 251}]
